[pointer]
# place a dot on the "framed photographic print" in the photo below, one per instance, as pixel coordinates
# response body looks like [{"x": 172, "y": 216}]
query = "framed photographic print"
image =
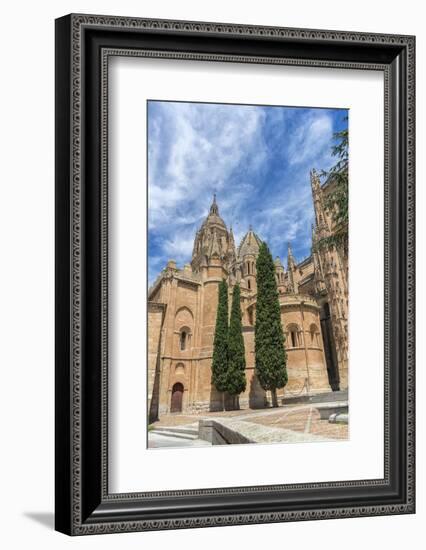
[{"x": 234, "y": 274}]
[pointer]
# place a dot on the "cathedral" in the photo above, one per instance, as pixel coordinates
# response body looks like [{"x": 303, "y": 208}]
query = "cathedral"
[{"x": 182, "y": 305}]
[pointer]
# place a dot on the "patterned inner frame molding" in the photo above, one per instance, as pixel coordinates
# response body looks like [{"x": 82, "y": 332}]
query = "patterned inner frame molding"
[{"x": 79, "y": 22}]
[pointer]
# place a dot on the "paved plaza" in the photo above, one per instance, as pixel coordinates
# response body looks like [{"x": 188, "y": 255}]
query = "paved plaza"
[{"x": 293, "y": 423}]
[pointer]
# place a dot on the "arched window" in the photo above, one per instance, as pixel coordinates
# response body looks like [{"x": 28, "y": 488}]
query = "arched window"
[
  {"x": 293, "y": 336},
  {"x": 313, "y": 332},
  {"x": 249, "y": 284},
  {"x": 183, "y": 339},
  {"x": 184, "y": 320}
]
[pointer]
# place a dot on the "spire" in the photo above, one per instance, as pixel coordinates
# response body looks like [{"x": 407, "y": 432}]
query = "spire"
[
  {"x": 231, "y": 239},
  {"x": 315, "y": 181},
  {"x": 213, "y": 217},
  {"x": 290, "y": 257},
  {"x": 231, "y": 245},
  {"x": 214, "y": 208},
  {"x": 197, "y": 243},
  {"x": 317, "y": 198},
  {"x": 291, "y": 264},
  {"x": 313, "y": 235}
]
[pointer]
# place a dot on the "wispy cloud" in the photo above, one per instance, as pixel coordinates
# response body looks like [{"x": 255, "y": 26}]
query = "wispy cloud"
[
  {"x": 257, "y": 160},
  {"x": 193, "y": 150},
  {"x": 311, "y": 139},
  {"x": 179, "y": 246}
]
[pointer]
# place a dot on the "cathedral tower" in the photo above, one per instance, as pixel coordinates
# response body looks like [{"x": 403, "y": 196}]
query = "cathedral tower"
[
  {"x": 213, "y": 245},
  {"x": 331, "y": 282}
]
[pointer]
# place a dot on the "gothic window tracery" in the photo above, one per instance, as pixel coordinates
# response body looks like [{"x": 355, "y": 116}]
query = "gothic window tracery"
[
  {"x": 314, "y": 335},
  {"x": 184, "y": 338},
  {"x": 293, "y": 336}
]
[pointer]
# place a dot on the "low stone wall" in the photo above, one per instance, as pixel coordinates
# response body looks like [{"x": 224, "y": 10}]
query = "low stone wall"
[
  {"x": 219, "y": 431},
  {"x": 320, "y": 397}
]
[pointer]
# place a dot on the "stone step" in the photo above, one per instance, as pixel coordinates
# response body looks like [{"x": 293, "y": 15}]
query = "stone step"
[
  {"x": 190, "y": 430},
  {"x": 173, "y": 434},
  {"x": 183, "y": 433}
]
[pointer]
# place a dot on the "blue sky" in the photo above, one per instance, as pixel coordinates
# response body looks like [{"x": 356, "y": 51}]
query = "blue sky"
[{"x": 256, "y": 158}]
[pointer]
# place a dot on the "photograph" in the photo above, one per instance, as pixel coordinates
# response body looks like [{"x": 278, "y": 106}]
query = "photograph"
[{"x": 248, "y": 260}]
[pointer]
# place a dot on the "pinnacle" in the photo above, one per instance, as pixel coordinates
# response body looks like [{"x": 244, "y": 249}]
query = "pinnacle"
[{"x": 214, "y": 209}]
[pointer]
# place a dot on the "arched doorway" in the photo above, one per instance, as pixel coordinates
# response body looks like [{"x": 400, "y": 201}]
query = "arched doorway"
[{"x": 177, "y": 396}]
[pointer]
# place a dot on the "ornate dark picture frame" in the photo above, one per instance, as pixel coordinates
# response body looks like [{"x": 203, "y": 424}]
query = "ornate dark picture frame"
[{"x": 83, "y": 45}]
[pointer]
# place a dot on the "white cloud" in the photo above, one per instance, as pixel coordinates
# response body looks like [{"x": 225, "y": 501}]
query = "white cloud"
[
  {"x": 179, "y": 247},
  {"x": 311, "y": 139},
  {"x": 196, "y": 149},
  {"x": 288, "y": 218},
  {"x": 205, "y": 144}
]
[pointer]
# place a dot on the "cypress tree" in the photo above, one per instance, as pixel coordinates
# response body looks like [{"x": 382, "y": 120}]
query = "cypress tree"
[
  {"x": 236, "y": 376},
  {"x": 270, "y": 354},
  {"x": 220, "y": 343}
]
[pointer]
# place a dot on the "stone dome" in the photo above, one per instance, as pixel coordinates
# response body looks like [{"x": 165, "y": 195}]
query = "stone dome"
[
  {"x": 213, "y": 217},
  {"x": 249, "y": 245}
]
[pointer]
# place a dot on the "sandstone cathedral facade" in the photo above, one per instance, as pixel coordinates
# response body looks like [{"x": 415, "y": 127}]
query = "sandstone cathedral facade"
[{"x": 182, "y": 305}]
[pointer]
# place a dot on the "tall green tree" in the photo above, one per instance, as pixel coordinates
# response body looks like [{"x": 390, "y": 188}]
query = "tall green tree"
[
  {"x": 337, "y": 200},
  {"x": 236, "y": 376},
  {"x": 220, "y": 343},
  {"x": 270, "y": 354}
]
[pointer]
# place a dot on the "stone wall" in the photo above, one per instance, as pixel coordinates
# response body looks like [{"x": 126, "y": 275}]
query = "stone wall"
[{"x": 155, "y": 323}]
